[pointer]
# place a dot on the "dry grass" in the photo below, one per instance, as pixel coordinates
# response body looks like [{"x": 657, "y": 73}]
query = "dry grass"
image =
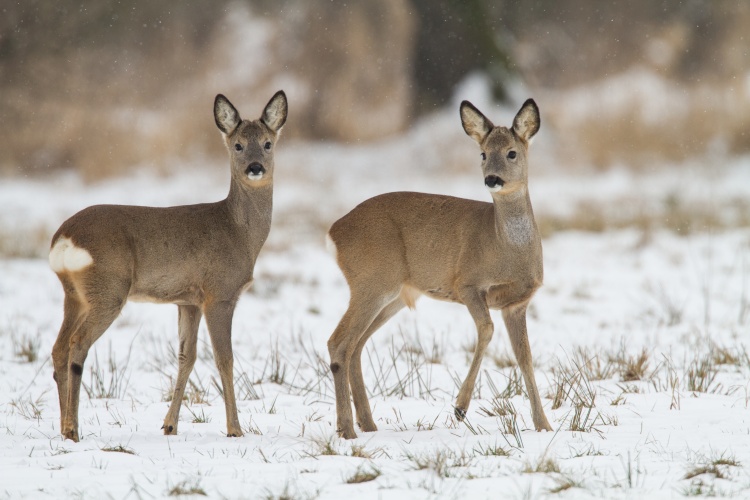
[
  {"x": 362, "y": 475},
  {"x": 640, "y": 118},
  {"x": 25, "y": 346},
  {"x": 717, "y": 466},
  {"x": 565, "y": 483},
  {"x": 110, "y": 381},
  {"x": 187, "y": 487},
  {"x": 28, "y": 408},
  {"x": 673, "y": 214},
  {"x": 544, "y": 465},
  {"x": 119, "y": 449},
  {"x": 29, "y": 241},
  {"x": 701, "y": 375},
  {"x": 440, "y": 461},
  {"x": 634, "y": 367}
]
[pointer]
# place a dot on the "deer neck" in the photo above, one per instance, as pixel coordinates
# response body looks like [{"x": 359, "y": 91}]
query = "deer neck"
[
  {"x": 250, "y": 206},
  {"x": 514, "y": 219}
]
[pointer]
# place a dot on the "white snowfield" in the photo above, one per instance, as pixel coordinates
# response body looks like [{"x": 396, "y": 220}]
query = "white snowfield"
[{"x": 641, "y": 345}]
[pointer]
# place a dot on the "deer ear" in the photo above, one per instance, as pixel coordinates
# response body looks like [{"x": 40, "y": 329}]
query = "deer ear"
[
  {"x": 527, "y": 121},
  {"x": 476, "y": 125},
  {"x": 226, "y": 116},
  {"x": 274, "y": 115}
]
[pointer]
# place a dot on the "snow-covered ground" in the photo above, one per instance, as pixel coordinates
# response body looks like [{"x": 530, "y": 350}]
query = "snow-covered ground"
[{"x": 682, "y": 429}]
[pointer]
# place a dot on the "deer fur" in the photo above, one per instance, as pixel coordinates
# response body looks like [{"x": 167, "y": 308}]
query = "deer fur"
[
  {"x": 395, "y": 247},
  {"x": 199, "y": 257}
]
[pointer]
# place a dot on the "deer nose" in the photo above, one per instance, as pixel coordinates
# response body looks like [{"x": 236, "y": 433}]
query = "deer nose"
[
  {"x": 493, "y": 182},
  {"x": 255, "y": 169}
]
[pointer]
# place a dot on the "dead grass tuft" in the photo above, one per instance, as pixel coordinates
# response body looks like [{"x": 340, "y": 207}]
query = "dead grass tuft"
[
  {"x": 545, "y": 465},
  {"x": 187, "y": 487},
  {"x": 364, "y": 476},
  {"x": 119, "y": 449},
  {"x": 634, "y": 367}
]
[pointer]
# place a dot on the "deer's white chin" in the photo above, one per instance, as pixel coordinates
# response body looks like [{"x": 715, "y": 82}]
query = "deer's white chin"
[
  {"x": 255, "y": 177},
  {"x": 495, "y": 189}
]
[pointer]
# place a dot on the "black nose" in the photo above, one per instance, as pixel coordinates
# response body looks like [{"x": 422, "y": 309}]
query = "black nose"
[
  {"x": 255, "y": 168},
  {"x": 492, "y": 181}
]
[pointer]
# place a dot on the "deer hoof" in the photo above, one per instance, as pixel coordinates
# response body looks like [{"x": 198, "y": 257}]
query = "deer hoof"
[
  {"x": 235, "y": 434},
  {"x": 168, "y": 429},
  {"x": 72, "y": 435},
  {"x": 348, "y": 433},
  {"x": 368, "y": 427},
  {"x": 460, "y": 413},
  {"x": 544, "y": 426}
]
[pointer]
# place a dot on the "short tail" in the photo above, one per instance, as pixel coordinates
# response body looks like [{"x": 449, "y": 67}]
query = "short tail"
[{"x": 331, "y": 246}]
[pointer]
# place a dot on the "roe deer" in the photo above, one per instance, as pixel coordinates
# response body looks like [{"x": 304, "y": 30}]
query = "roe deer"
[
  {"x": 394, "y": 247},
  {"x": 199, "y": 257}
]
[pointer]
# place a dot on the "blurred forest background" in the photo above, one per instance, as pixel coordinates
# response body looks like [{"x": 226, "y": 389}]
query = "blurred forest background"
[{"x": 98, "y": 87}]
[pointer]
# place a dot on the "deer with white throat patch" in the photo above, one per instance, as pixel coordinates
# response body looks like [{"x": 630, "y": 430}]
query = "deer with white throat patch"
[{"x": 395, "y": 247}]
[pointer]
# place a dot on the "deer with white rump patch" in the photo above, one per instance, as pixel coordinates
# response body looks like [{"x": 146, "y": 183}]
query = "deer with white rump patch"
[
  {"x": 395, "y": 247},
  {"x": 199, "y": 257}
]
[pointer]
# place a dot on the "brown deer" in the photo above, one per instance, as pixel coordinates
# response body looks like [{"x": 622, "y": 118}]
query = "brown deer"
[
  {"x": 199, "y": 257},
  {"x": 397, "y": 246}
]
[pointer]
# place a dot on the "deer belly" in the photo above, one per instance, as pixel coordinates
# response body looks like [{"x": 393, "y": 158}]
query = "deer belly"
[{"x": 161, "y": 294}]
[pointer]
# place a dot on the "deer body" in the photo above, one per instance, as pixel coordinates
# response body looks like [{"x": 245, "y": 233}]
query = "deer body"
[
  {"x": 395, "y": 247},
  {"x": 199, "y": 257},
  {"x": 157, "y": 269},
  {"x": 442, "y": 244}
]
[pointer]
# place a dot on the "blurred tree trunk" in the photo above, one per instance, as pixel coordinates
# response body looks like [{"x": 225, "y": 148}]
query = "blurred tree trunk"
[{"x": 456, "y": 37}]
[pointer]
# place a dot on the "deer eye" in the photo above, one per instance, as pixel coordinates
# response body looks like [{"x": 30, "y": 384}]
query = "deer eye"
[
  {"x": 512, "y": 155},
  {"x": 484, "y": 156},
  {"x": 267, "y": 146},
  {"x": 238, "y": 147}
]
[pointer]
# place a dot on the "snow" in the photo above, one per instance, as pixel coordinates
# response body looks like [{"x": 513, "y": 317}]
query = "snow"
[{"x": 679, "y": 297}]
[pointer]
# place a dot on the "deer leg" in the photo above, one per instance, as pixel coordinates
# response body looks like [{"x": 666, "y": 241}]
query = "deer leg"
[
  {"x": 356, "y": 381},
  {"x": 476, "y": 302},
  {"x": 74, "y": 316},
  {"x": 515, "y": 322},
  {"x": 189, "y": 318},
  {"x": 358, "y": 317},
  {"x": 99, "y": 318},
  {"x": 219, "y": 322}
]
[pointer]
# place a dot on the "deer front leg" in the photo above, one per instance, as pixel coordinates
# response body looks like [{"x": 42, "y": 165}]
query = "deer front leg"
[
  {"x": 189, "y": 318},
  {"x": 219, "y": 322},
  {"x": 475, "y": 300},
  {"x": 515, "y": 322}
]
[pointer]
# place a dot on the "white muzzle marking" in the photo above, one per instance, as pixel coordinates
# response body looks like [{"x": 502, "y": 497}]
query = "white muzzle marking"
[{"x": 65, "y": 256}]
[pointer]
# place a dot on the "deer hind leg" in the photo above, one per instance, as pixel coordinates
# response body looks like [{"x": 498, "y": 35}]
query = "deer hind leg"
[
  {"x": 219, "y": 321},
  {"x": 477, "y": 304},
  {"x": 189, "y": 318},
  {"x": 515, "y": 322},
  {"x": 101, "y": 315},
  {"x": 363, "y": 309},
  {"x": 356, "y": 380},
  {"x": 74, "y": 315}
]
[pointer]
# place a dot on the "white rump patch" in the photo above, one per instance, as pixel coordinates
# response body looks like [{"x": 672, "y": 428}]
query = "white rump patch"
[
  {"x": 519, "y": 230},
  {"x": 331, "y": 246},
  {"x": 65, "y": 256}
]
